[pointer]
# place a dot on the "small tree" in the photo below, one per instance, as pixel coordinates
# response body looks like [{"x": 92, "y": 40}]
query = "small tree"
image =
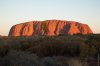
[{"x": 84, "y": 51}]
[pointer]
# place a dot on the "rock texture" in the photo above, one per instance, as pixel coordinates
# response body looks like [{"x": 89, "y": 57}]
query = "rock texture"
[{"x": 55, "y": 27}]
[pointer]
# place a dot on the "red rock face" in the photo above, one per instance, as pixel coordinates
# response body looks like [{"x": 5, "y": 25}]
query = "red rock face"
[{"x": 55, "y": 27}]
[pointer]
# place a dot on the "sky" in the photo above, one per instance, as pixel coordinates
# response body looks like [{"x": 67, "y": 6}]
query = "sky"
[{"x": 18, "y": 11}]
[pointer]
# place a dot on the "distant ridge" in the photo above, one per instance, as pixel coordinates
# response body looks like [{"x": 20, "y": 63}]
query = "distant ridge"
[{"x": 49, "y": 27}]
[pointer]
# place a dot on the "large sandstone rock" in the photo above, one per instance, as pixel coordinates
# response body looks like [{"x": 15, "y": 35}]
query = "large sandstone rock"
[{"x": 55, "y": 27}]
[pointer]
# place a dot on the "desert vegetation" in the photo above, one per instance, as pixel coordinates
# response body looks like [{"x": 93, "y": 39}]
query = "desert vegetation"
[{"x": 69, "y": 50}]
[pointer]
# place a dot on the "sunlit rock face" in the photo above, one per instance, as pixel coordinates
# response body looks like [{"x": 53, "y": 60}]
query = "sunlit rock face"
[{"x": 55, "y": 27}]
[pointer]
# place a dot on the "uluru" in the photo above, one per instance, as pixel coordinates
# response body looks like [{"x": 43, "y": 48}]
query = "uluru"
[{"x": 50, "y": 28}]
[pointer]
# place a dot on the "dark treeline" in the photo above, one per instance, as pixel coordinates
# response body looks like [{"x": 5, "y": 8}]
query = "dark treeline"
[{"x": 84, "y": 47}]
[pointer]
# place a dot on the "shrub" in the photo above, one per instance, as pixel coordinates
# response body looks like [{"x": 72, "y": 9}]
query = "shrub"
[
  {"x": 21, "y": 58},
  {"x": 3, "y": 50}
]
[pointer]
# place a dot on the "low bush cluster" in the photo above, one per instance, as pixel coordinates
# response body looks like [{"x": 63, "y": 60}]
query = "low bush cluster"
[{"x": 17, "y": 50}]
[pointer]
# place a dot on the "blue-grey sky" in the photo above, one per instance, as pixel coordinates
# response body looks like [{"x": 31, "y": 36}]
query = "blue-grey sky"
[{"x": 19, "y": 11}]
